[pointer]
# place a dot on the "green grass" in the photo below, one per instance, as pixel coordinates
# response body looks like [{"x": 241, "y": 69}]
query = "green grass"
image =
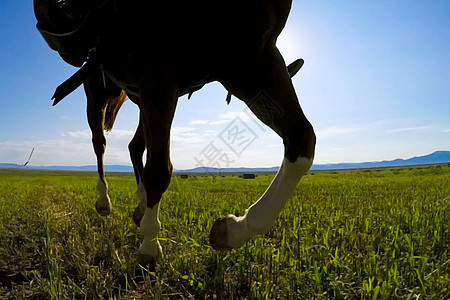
[{"x": 351, "y": 235}]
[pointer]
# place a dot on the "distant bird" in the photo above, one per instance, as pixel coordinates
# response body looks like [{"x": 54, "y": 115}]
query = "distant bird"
[{"x": 26, "y": 163}]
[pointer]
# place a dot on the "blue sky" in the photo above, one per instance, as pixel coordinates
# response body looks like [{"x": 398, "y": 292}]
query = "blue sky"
[{"x": 375, "y": 85}]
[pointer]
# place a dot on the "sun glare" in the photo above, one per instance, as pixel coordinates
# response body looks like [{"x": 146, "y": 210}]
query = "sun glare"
[{"x": 287, "y": 43}]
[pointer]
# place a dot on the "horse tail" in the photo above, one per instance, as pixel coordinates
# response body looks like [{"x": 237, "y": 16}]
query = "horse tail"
[{"x": 112, "y": 108}]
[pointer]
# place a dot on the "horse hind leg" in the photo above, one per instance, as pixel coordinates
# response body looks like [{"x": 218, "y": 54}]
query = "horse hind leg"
[
  {"x": 267, "y": 90},
  {"x": 137, "y": 148}
]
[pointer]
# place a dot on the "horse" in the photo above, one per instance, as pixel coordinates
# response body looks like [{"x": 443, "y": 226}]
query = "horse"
[
  {"x": 165, "y": 50},
  {"x": 104, "y": 101}
]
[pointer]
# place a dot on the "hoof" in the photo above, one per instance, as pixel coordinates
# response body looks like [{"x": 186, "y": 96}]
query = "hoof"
[
  {"x": 103, "y": 211},
  {"x": 147, "y": 262},
  {"x": 137, "y": 216},
  {"x": 218, "y": 236},
  {"x": 152, "y": 257}
]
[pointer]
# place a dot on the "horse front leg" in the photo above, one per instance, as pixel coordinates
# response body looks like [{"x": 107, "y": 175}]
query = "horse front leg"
[
  {"x": 96, "y": 100},
  {"x": 265, "y": 85},
  {"x": 157, "y": 106}
]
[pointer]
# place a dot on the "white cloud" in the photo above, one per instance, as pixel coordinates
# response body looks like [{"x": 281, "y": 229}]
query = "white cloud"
[
  {"x": 48, "y": 152},
  {"x": 354, "y": 143},
  {"x": 118, "y": 133},
  {"x": 184, "y": 134},
  {"x": 212, "y": 132},
  {"x": 84, "y": 134},
  {"x": 199, "y": 122},
  {"x": 219, "y": 122},
  {"x": 186, "y": 138},
  {"x": 415, "y": 128},
  {"x": 72, "y": 148},
  {"x": 206, "y": 122},
  {"x": 245, "y": 116},
  {"x": 334, "y": 131},
  {"x": 182, "y": 130}
]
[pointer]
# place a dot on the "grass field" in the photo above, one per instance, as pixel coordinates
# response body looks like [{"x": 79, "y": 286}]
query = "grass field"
[{"x": 366, "y": 234}]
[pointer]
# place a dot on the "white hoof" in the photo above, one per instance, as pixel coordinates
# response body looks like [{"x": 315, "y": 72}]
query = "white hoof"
[
  {"x": 103, "y": 207},
  {"x": 229, "y": 232},
  {"x": 103, "y": 204},
  {"x": 150, "y": 254}
]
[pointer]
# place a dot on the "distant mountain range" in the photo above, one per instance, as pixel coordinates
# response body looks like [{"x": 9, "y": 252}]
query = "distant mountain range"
[{"x": 437, "y": 157}]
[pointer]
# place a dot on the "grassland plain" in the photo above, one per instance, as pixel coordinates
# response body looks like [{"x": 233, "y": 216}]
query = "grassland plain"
[{"x": 369, "y": 234}]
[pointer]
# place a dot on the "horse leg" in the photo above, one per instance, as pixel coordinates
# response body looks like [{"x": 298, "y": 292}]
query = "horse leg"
[
  {"x": 157, "y": 105},
  {"x": 265, "y": 85},
  {"x": 137, "y": 148},
  {"x": 96, "y": 100}
]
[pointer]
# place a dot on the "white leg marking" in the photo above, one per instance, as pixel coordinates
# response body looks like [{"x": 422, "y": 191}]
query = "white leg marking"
[
  {"x": 150, "y": 226},
  {"x": 103, "y": 202},
  {"x": 259, "y": 217},
  {"x": 139, "y": 211},
  {"x": 142, "y": 197}
]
